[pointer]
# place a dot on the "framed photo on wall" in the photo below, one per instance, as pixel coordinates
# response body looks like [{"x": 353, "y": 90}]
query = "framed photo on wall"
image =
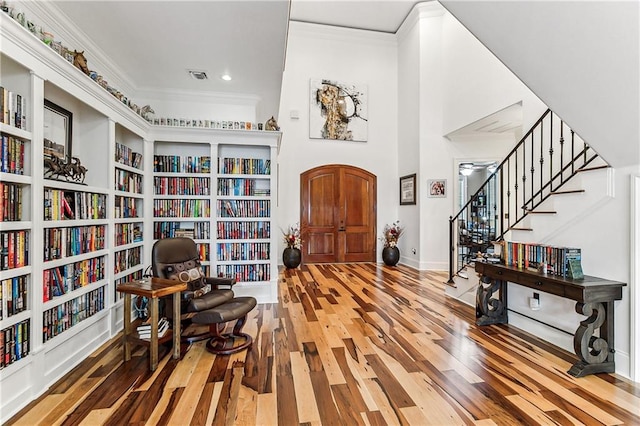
[
  {"x": 437, "y": 188},
  {"x": 408, "y": 189},
  {"x": 57, "y": 130}
]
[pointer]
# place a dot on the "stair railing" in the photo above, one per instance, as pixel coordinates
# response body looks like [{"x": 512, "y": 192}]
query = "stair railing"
[{"x": 539, "y": 165}]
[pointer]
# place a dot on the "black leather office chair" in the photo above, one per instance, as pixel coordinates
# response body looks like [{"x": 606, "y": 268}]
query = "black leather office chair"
[{"x": 207, "y": 300}]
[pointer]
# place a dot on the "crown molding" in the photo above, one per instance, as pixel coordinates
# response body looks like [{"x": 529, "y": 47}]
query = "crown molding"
[
  {"x": 424, "y": 10},
  {"x": 341, "y": 34},
  {"x": 199, "y": 96},
  {"x": 52, "y": 19}
]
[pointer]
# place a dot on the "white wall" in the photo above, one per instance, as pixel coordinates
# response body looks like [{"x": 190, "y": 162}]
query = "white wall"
[
  {"x": 582, "y": 58},
  {"x": 409, "y": 114},
  {"x": 457, "y": 81},
  {"x": 353, "y": 56}
]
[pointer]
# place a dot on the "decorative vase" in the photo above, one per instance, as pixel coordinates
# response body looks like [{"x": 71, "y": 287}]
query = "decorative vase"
[
  {"x": 390, "y": 255},
  {"x": 291, "y": 257}
]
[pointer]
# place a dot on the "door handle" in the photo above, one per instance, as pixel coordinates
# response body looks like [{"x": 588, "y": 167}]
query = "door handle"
[{"x": 342, "y": 229}]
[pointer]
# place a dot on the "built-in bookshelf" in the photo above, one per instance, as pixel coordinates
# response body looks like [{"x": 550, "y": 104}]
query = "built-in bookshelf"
[
  {"x": 182, "y": 193},
  {"x": 16, "y": 216},
  {"x": 62, "y": 317},
  {"x": 128, "y": 208},
  {"x": 67, "y": 244},
  {"x": 243, "y": 244}
]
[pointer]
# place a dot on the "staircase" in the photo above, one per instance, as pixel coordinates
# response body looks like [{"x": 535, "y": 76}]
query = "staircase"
[{"x": 544, "y": 167}]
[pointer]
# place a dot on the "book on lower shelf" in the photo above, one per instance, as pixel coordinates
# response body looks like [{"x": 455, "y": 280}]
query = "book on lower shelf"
[{"x": 144, "y": 330}]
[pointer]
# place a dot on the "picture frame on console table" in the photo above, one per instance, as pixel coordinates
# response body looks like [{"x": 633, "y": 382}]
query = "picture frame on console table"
[{"x": 58, "y": 125}]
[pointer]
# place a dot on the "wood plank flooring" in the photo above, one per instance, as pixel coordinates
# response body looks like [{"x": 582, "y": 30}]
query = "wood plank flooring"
[{"x": 360, "y": 344}]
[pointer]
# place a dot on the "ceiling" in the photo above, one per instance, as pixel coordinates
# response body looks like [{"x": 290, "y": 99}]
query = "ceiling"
[{"x": 155, "y": 43}]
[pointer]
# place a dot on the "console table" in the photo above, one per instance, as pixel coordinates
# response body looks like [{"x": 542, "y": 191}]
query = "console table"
[
  {"x": 593, "y": 341},
  {"x": 152, "y": 288}
]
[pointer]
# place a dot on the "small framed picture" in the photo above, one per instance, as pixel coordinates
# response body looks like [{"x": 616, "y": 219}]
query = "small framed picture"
[
  {"x": 57, "y": 130},
  {"x": 408, "y": 189},
  {"x": 437, "y": 188}
]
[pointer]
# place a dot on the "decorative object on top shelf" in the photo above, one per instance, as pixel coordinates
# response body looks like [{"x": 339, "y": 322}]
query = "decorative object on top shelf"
[
  {"x": 292, "y": 255},
  {"x": 271, "y": 124},
  {"x": 147, "y": 113},
  {"x": 74, "y": 57},
  {"x": 80, "y": 62},
  {"x": 206, "y": 124},
  {"x": 408, "y": 189},
  {"x": 390, "y": 236}
]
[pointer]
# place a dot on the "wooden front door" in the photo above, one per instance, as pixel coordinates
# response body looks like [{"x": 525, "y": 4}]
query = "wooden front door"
[{"x": 338, "y": 214}]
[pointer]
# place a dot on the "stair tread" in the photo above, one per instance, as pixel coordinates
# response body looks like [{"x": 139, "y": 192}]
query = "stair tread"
[
  {"x": 520, "y": 229},
  {"x": 587, "y": 169},
  {"x": 540, "y": 211},
  {"x": 568, "y": 191}
]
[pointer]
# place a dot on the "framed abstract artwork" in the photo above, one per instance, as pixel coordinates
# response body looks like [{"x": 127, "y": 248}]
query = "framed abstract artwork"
[
  {"x": 437, "y": 188},
  {"x": 338, "y": 111}
]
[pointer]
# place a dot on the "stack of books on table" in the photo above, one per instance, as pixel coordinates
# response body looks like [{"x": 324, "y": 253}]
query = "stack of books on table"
[{"x": 144, "y": 330}]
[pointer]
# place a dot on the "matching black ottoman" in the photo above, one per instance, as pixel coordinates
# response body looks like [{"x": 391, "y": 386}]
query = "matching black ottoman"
[{"x": 216, "y": 318}]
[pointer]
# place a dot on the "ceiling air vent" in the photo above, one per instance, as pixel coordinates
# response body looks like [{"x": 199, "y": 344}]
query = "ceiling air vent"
[{"x": 198, "y": 75}]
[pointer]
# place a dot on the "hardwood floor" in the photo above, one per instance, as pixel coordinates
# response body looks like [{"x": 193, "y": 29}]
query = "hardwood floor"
[{"x": 346, "y": 344}]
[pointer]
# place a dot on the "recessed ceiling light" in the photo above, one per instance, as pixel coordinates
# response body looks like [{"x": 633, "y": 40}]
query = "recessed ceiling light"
[
  {"x": 225, "y": 77},
  {"x": 198, "y": 75}
]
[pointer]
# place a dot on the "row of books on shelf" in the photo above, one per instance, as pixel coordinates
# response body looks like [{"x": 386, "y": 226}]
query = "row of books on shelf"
[
  {"x": 126, "y": 207},
  {"x": 243, "y": 251},
  {"x": 181, "y": 164},
  {"x": 127, "y": 233},
  {"x": 558, "y": 261},
  {"x": 203, "y": 249},
  {"x": 14, "y": 343},
  {"x": 195, "y": 230},
  {"x": 72, "y": 241},
  {"x": 60, "y": 205},
  {"x": 144, "y": 330},
  {"x": 10, "y": 202},
  {"x": 244, "y": 230},
  {"x": 245, "y": 166},
  {"x": 241, "y": 187},
  {"x": 13, "y": 108},
  {"x": 63, "y": 279},
  {"x": 126, "y": 259},
  {"x": 244, "y": 208},
  {"x": 246, "y": 273},
  {"x": 128, "y": 182},
  {"x": 14, "y": 249},
  {"x": 127, "y": 156},
  {"x": 13, "y": 295},
  {"x": 181, "y": 208},
  {"x": 163, "y": 185},
  {"x": 64, "y": 316},
  {"x": 11, "y": 155}
]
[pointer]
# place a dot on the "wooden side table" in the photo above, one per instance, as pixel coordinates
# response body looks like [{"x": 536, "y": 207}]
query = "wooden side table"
[{"x": 152, "y": 288}]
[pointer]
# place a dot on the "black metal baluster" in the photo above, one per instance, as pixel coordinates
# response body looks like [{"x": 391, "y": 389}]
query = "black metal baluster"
[
  {"x": 508, "y": 192},
  {"x": 524, "y": 178},
  {"x": 515, "y": 186},
  {"x": 541, "y": 158},
  {"x": 550, "y": 154},
  {"x": 561, "y": 152},
  {"x": 533, "y": 170},
  {"x": 573, "y": 154},
  {"x": 501, "y": 170}
]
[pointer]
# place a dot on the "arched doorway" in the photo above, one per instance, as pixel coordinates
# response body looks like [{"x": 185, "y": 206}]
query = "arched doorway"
[{"x": 338, "y": 214}]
